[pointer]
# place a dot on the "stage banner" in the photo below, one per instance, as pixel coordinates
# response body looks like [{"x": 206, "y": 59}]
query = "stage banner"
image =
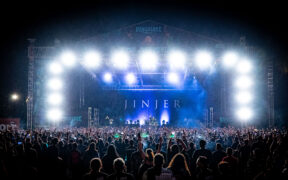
[{"x": 8, "y": 123}]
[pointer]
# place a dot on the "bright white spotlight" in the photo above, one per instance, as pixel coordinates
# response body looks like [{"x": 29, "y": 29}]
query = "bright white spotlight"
[
  {"x": 68, "y": 59},
  {"x": 176, "y": 60},
  {"x": 54, "y": 115},
  {"x": 244, "y": 114},
  {"x": 148, "y": 60},
  {"x": 120, "y": 60},
  {"x": 107, "y": 77},
  {"x": 55, "y": 68},
  {"x": 14, "y": 97},
  {"x": 55, "y": 84},
  {"x": 243, "y": 82},
  {"x": 92, "y": 60},
  {"x": 230, "y": 59},
  {"x": 203, "y": 59},
  {"x": 55, "y": 99},
  {"x": 244, "y": 97},
  {"x": 173, "y": 78},
  {"x": 244, "y": 66},
  {"x": 130, "y": 78}
]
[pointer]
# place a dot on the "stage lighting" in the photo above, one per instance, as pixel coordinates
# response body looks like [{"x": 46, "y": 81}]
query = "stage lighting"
[
  {"x": 243, "y": 82},
  {"x": 148, "y": 60},
  {"x": 244, "y": 97},
  {"x": 203, "y": 60},
  {"x": 120, "y": 60},
  {"x": 54, "y": 115},
  {"x": 55, "y": 99},
  {"x": 55, "y": 84},
  {"x": 107, "y": 77},
  {"x": 55, "y": 68},
  {"x": 14, "y": 97},
  {"x": 176, "y": 60},
  {"x": 92, "y": 60},
  {"x": 244, "y": 66},
  {"x": 130, "y": 78},
  {"x": 68, "y": 59},
  {"x": 230, "y": 59},
  {"x": 173, "y": 78},
  {"x": 244, "y": 114}
]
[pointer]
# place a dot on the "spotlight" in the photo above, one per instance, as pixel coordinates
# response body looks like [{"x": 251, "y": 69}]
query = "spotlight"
[
  {"x": 14, "y": 97},
  {"x": 92, "y": 60},
  {"x": 148, "y": 60},
  {"x": 54, "y": 115},
  {"x": 68, "y": 59},
  {"x": 244, "y": 66},
  {"x": 120, "y": 60},
  {"x": 107, "y": 77},
  {"x": 130, "y": 78},
  {"x": 177, "y": 60},
  {"x": 173, "y": 78},
  {"x": 244, "y": 114},
  {"x": 55, "y": 99},
  {"x": 203, "y": 60},
  {"x": 55, "y": 68},
  {"x": 244, "y": 97},
  {"x": 230, "y": 59},
  {"x": 55, "y": 84},
  {"x": 243, "y": 82}
]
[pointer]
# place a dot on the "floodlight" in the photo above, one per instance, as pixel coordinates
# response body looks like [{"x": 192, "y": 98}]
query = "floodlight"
[
  {"x": 244, "y": 97},
  {"x": 243, "y": 82},
  {"x": 230, "y": 59},
  {"x": 68, "y": 59},
  {"x": 55, "y": 99},
  {"x": 176, "y": 60},
  {"x": 244, "y": 66},
  {"x": 54, "y": 114},
  {"x": 203, "y": 60},
  {"x": 55, "y": 84},
  {"x": 120, "y": 60},
  {"x": 148, "y": 60},
  {"x": 92, "y": 60},
  {"x": 244, "y": 114},
  {"x": 173, "y": 78},
  {"x": 107, "y": 77},
  {"x": 55, "y": 68},
  {"x": 130, "y": 78},
  {"x": 14, "y": 97}
]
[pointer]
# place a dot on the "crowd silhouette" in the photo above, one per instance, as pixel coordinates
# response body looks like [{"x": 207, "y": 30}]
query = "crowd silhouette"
[{"x": 144, "y": 153}]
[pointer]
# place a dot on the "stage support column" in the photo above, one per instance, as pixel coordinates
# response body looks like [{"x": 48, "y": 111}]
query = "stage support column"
[
  {"x": 96, "y": 117},
  {"x": 270, "y": 88},
  {"x": 29, "y": 99},
  {"x": 90, "y": 117},
  {"x": 211, "y": 117}
]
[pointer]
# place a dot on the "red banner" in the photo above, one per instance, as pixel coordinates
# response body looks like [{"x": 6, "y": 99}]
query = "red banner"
[{"x": 10, "y": 121}]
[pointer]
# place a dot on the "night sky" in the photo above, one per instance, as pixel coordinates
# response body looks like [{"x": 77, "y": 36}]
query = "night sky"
[{"x": 264, "y": 25}]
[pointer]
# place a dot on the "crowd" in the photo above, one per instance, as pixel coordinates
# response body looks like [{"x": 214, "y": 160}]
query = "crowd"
[{"x": 144, "y": 153}]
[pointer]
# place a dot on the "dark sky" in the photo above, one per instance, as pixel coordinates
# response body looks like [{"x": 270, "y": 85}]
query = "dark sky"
[{"x": 262, "y": 24}]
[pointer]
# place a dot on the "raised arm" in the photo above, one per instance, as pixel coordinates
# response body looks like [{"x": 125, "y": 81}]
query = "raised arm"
[{"x": 160, "y": 144}]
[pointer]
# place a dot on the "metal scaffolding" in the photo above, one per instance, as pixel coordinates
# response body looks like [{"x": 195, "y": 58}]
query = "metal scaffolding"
[{"x": 270, "y": 88}]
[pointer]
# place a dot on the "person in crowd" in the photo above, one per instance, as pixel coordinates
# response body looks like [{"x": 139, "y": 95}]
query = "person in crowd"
[
  {"x": 95, "y": 170},
  {"x": 119, "y": 171},
  {"x": 89, "y": 154},
  {"x": 217, "y": 156},
  {"x": 157, "y": 171},
  {"x": 202, "y": 152},
  {"x": 231, "y": 160},
  {"x": 179, "y": 167},
  {"x": 147, "y": 163},
  {"x": 109, "y": 158},
  {"x": 202, "y": 171}
]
